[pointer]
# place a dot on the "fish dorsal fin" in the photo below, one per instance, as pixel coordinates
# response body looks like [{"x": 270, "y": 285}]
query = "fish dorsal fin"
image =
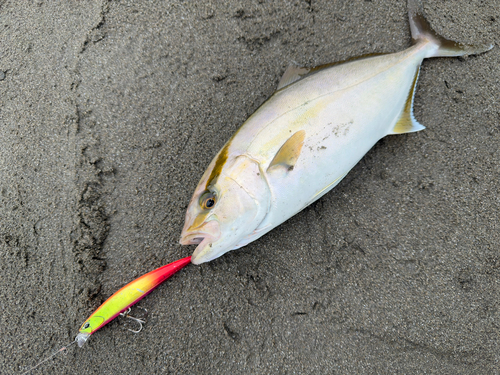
[
  {"x": 292, "y": 74},
  {"x": 407, "y": 122},
  {"x": 289, "y": 153}
]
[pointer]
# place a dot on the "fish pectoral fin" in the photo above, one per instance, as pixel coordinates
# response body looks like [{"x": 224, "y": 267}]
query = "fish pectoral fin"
[
  {"x": 289, "y": 153},
  {"x": 292, "y": 74},
  {"x": 407, "y": 122}
]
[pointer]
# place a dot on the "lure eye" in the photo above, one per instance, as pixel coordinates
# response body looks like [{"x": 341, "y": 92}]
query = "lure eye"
[
  {"x": 86, "y": 325},
  {"x": 208, "y": 200}
]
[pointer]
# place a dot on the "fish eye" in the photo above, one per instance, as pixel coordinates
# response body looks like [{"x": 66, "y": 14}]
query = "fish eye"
[
  {"x": 208, "y": 200},
  {"x": 86, "y": 325}
]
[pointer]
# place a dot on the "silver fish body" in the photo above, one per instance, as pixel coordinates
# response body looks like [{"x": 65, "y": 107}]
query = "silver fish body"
[{"x": 301, "y": 142}]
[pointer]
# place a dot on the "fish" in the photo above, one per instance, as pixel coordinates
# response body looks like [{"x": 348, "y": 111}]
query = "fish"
[
  {"x": 301, "y": 142},
  {"x": 127, "y": 296}
]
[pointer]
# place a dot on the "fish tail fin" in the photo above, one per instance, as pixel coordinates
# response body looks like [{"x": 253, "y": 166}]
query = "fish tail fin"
[{"x": 421, "y": 31}]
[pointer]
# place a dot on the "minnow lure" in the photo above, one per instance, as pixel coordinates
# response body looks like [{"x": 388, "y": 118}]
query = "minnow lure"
[
  {"x": 305, "y": 138},
  {"x": 127, "y": 296}
]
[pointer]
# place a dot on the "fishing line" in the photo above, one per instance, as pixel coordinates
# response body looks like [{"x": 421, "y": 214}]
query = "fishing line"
[{"x": 50, "y": 357}]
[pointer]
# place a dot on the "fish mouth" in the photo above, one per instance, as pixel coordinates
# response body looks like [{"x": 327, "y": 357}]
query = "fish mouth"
[
  {"x": 195, "y": 238},
  {"x": 204, "y": 237},
  {"x": 205, "y": 253},
  {"x": 203, "y": 240}
]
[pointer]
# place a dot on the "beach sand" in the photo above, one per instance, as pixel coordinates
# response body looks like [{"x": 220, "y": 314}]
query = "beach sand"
[{"x": 111, "y": 111}]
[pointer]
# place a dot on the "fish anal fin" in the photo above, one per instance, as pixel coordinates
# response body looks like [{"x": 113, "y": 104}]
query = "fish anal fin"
[
  {"x": 407, "y": 122},
  {"x": 291, "y": 75},
  {"x": 289, "y": 153}
]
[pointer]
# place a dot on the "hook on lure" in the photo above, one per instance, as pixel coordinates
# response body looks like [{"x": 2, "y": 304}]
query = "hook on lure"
[
  {"x": 120, "y": 302},
  {"x": 140, "y": 321}
]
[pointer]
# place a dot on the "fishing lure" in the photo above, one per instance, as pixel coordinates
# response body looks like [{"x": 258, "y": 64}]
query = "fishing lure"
[{"x": 127, "y": 296}]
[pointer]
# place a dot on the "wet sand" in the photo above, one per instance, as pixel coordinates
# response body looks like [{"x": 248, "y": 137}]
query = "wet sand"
[{"x": 110, "y": 113}]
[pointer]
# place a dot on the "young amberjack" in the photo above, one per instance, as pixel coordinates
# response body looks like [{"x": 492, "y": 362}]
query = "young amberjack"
[{"x": 302, "y": 141}]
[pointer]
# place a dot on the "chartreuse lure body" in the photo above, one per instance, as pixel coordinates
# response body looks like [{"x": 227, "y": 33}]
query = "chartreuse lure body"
[{"x": 127, "y": 296}]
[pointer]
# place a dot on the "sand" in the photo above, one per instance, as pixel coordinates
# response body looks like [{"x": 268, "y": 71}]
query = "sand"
[{"x": 111, "y": 111}]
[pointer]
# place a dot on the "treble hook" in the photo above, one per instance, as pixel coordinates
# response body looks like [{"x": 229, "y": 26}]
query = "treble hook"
[{"x": 139, "y": 321}]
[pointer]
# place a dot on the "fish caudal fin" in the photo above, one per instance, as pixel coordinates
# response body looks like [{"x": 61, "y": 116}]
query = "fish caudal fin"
[{"x": 421, "y": 31}]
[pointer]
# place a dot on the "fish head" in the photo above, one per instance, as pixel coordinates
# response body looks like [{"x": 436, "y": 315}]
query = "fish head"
[{"x": 229, "y": 203}]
